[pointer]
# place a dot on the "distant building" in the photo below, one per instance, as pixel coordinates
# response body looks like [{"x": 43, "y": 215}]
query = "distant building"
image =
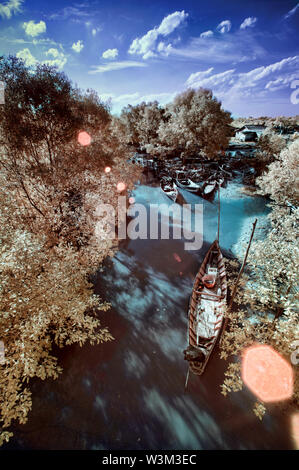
[{"x": 250, "y": 133}]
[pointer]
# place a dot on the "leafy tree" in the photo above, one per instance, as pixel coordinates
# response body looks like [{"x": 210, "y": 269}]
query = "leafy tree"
[
  {"x": 45, "y": 299},
  {"x": 50, "y": 173},
  {"x": 142, "y": 124},
  {"x": 280, "y": 181},
  {"x": 268, "y": 148},
  {"x": 196, "y": 124},
  {"x": 50, "y": 189}
]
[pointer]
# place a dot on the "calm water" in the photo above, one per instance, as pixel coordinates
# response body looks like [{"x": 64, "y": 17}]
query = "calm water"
[{"x": 129, "y": 394}]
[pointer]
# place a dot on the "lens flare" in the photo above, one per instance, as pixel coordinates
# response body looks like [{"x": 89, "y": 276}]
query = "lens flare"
[
  {"x": 267, "y": 374},
  {"x": 120, "y": 187},
  {"x": 84, "y": 138},
  {"x": 177, "y": 257},
  {"x": 107, "y": 169}
]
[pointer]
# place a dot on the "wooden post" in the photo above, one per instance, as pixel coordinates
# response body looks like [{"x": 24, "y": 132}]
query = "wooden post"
[
  {"x": 243, "y": 265},
  {"x": 218, "y": 212}
]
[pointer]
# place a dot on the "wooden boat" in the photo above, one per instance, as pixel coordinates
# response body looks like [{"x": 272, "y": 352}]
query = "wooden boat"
[
  {"x": 188, "y": 184},
  {"x": 169, "y": 188},
  {"x": 206, "y": 309},
  {"x": 220, "y": 181},
  {"x": 209, "y": 187}
]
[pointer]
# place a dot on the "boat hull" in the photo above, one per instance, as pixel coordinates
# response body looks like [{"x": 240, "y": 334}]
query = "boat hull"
[
  {"x": 192, "y": 189},
  {"x": 171, "y": 194},
  {"x": 206, "y": 313}
]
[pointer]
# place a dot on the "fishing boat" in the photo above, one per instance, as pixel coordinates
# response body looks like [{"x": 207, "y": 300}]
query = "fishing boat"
[
  {"x": 206, "y": 309},
  {"x": 209, "y": 187},
  {"x": 188, "y": 184},
  {"x": 220, "y": 181},
  {"x": 169, "y": 188}
]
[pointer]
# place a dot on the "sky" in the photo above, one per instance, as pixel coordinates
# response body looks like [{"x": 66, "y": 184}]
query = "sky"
[{"x": 246, "y": 52}]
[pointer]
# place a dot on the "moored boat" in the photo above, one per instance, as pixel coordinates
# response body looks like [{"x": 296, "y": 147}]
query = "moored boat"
[
  {"x": 169, "y": 188},
  {"x": 209, "y": 187},
  {"x": 206, "y": 309},
  {"x": 188, "y": 184}
]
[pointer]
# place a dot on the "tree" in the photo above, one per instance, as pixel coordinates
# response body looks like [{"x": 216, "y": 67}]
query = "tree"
[
  {"x": 54, "y": 178},
  {"x": 45, "y": 299},
  {"x": 50, "y": 189},
  {"x": 280, "y": 181},
  {"x": 142, "y": 124},
  {"x": 196, "y": 124},
  {"x": 268, "y": 148}
]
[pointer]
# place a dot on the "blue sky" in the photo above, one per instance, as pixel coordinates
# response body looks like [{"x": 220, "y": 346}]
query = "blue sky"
[{"x": 132, "y": 51}]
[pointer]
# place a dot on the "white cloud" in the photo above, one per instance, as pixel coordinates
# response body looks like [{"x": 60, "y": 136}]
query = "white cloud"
[
  {"x": 9, "y": 8},
  {"x": 221, "y": 49},
  {"x": 34, "y": 29},
  {"x": 94, "y": 31},
  {"x": 198, "y": 76},
  {"x": 59, "y": 59},
  {"x": 206, "y": 80},
  {"x": 146, "y": 45},
  {"x": 256, "y": 84},
  {"x": 171, "y": 22},
  {"x": 45, "y": 41},
  {"x": 27, "y": 57},
  {"x": 224, "y": 26},
  {"x": 207, "y": 34},
  {"x": 281, "y": 82},
  {"x": 76, "y": 11},
  {"x": 142, "y": 46},
  {"x": 127, "y": 98},
  {"x": 291, "y": 12},
  {"x": 258, "y": 74},
  {"x": 164, "y": 49},
  {"x": 78, "y": 46},
  {"x": 14, "y": 40},
  {"x": 115, "y": 66},
  {"x": 110, "y": 54},
  {"x": 118, "y": 102},
  {"x": 248, "y": 22},
  {"x": 53, "y": 52}
]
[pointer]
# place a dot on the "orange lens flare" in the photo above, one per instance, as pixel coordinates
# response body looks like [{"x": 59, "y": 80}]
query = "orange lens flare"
[
  {"x": 84, "y": 138},
  {"x": 107, "y": 169},
  {"x": 267, "y": 374},
  {"x": 177, "y": 257},
  {"x": 120, "y": 187}
]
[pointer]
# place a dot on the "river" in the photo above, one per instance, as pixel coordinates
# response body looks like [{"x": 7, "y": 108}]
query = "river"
[{"x": 129, "y": 393}]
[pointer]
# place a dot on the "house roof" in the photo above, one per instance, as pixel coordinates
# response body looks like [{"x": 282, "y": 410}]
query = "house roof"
[{"x": 251, "y": 128}]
